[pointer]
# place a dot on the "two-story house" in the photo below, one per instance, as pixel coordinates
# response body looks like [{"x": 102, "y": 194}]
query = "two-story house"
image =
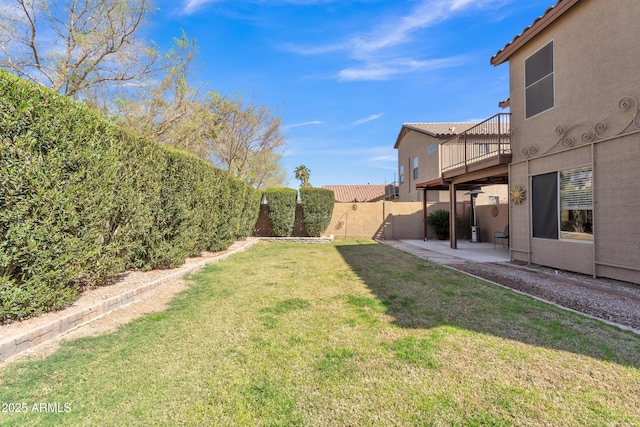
[
  {"x": 418, "y": 146},
  {"x": 574, "y": 177},
  {"x": 431, "y": 156}
]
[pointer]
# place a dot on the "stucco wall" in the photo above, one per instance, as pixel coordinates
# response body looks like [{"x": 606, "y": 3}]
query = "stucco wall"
[
  {"x": 416, "y": 144},
  {"x": 616, "y": 203},
  {"x": 396, "y": 220},
  {"x": 381, "y": 220},
  {"x": 594, "y": 122},
  {"x": 519, "y": 226},
  {"x": 595, "y": 67},
  {"x": 617, "y": 212},
  {"x": 492, "y": 219}
]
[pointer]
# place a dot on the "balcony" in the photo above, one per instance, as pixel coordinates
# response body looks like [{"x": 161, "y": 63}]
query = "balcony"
[{"x": 483, "y": 146}]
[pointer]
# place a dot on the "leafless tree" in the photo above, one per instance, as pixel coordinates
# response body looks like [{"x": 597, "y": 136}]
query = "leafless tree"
[
  {"x": 171, "y": 111},
  {"x": 76, "y": 46},
  {"x": 248, "y": 141},
  {"x": 95, "y": 51}
]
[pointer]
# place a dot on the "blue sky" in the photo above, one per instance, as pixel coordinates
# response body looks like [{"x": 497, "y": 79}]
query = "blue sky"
[{"x": 344, "y": 75}]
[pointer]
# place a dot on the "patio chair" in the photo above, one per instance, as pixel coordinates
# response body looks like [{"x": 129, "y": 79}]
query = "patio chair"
[{"x": 501, "y": 235}]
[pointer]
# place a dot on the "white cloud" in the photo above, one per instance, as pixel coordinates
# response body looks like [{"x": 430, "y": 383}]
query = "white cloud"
[
  {"x": 399, "y": 30},
  {"x": 373, "y": 72},
  {"x": 427, "y": 13},
  {"x": 385, "y": 71},
  {"x": 478, "y": 4},
  {"x": 375, "y": 50},
  {"x": 311, "y": 50},
  {"x": 385, "y": 158},
  {"x": 367, "y": 119},
  {"x": 297, "y": 125},
  {"x": 192, "y": 6}
]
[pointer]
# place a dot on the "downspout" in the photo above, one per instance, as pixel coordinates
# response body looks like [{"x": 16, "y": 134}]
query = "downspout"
[
  {"x": 509, "y": 213},
  {"x": 530, "y": 209},
  {"x": 408, "y": 174},
  {"x": 593, "y": 205},
  {"x": 452, "y": 216}
]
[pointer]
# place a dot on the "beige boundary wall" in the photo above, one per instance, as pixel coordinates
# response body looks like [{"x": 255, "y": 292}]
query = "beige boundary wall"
[
  {"x": 491, "y": 219},
  {"x": 395, "y": 220},
  {"x": 378, "y": 220}
]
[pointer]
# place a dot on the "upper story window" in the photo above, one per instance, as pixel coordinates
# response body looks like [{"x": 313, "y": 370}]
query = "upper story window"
[
  {"x": 415, "y": 168},
  {"x": 538, "y": 81},
  {"x": 401, "y": 174}
]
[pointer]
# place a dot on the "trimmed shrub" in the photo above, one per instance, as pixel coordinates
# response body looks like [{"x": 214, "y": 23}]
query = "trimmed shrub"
[
  {"x": 82, "y": 200},
  {"x": 250, "y": 211},
  {"x": 317, "y": 208},
  {"x": 281, "y": 210}
]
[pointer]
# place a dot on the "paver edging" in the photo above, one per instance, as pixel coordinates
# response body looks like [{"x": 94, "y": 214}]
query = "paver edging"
[
  {"x": 323, "y": 239},
  {"x": 12, "y": 346}
]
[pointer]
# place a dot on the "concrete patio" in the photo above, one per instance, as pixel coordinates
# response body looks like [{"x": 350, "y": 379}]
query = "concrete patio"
[{"x": 478, "y": 252}]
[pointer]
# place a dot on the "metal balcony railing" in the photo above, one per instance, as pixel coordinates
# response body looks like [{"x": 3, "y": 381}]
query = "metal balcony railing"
[{"x": 486, "y": 141}]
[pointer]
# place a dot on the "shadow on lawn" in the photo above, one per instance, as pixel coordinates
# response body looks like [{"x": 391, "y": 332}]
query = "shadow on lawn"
[{"x": 420, "y": 294}]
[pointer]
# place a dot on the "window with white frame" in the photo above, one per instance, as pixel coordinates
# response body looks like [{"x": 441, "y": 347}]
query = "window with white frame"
[
  {"x": 415, "y": 168},
  {"x": 401, "y": 174},
  {"x": 562, "y": 205},
  {"x": 539, "y": 84},
  {"x": 576, "y": 204}
]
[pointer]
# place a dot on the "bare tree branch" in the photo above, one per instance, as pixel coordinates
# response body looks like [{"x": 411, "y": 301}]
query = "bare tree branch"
[
  {"x": 248, "y": 142},
  {"x": 75, "y": 45}
]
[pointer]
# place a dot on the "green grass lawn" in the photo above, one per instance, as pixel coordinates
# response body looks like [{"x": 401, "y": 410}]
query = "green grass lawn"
[{"x": 353, "y": 333}]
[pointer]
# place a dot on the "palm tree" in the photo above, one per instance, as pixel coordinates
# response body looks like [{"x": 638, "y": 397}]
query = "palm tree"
[{"x": 303, "y": 173}]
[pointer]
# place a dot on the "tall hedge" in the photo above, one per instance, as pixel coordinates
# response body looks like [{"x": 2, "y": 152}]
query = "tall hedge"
[
  {"x": 281, "y": 203},
  {"x": 317, "y": 208},
  {"x": 82, "y": 200}
]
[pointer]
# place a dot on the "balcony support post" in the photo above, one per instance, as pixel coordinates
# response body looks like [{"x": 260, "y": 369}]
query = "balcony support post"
[
  {"x": 452, "y": 216},
  {"x": 499, "y": 135}
]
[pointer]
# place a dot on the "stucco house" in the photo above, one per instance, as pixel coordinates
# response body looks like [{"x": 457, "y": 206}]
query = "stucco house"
[
  {"x": 431, "y": 155},
  {"x": 574, "y": 175},
  {"x": 418, "y": 146}
]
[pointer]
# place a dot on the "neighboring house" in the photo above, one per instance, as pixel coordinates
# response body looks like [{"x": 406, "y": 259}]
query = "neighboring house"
[
  {"x": 362, "y": 193},
  {"x": 444, "y": 155},
  {"x": 575, "y": 105},
  {"x": 418, "y": 146}
]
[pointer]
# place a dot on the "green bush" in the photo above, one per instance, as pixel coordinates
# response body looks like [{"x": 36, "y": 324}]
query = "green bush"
[
  {"x": 281, "y": 210},
  {"x": 250, "y": 211},
  {"x": 317, "y": 208},
  {"x": 440, "y": 220},
  {"x": 82, "y": 200}
]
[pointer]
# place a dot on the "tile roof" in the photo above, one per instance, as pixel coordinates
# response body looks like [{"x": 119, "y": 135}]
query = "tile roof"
[
  {"x": 538, "y": 25},
  {"x": 436, "y": 130},
  {"x": 357, "y": 193}
]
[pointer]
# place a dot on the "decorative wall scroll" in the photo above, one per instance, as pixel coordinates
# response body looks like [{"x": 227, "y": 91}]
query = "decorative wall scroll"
[
  {"x": 528, "y": 152},
  {"x": 585, "y": 133}
]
